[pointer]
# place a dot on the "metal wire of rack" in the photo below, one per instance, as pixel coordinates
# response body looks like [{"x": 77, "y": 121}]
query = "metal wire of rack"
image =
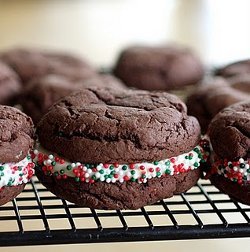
[{"x": 38, "y": 217}]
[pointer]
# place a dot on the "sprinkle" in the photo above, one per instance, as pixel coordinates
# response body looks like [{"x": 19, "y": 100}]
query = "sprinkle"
[{"x": 111, "y": 173}]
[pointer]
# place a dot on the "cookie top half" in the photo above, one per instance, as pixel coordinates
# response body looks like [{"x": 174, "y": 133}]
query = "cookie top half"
[
  {"x": 97, "y": 125},
  {"x": 229, "y": 131},
  {"x": 16, "y": 134}
]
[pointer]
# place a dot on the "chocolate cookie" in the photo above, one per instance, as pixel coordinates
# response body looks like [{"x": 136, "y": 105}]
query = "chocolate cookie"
[
  {"x": 159, "y": 68},
  {"x": 118, "y": 149},
  {"x": 234, "y": 69},
  {"x": 229, "y": 132},
  {"x": 43, "y": 92},
  {"x": 31, "y": 63},
  {"x": 9, "y": 85},
  {"x": 207, "y": 100},
  {"x": 16, "y": 141}
]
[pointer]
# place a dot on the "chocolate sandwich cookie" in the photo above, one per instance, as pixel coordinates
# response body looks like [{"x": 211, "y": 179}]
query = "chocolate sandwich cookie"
[
  {"x": 16, "y": 142},
  {"x": 207, "y": 100},
  {"x": 9, "y": 85},
  {"x": 229, "y": 133},
  {"x": 118, "y": 149},
  {"x": 43, "y": 92},
  {"x": 158, "y": 68},
  {"x": 32, "y": 63},
  {"x": 234, "y": 69}
]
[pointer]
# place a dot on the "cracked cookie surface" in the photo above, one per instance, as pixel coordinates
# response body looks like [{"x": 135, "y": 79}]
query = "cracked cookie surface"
[{"x": 97, "y": 125}]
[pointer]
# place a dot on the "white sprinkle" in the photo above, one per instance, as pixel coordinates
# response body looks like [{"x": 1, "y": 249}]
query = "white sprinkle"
[
  {"x": 98, "y": 175},
  {"x": 241, "y": 160},
  {"x": 235, "y": 168},
  {"x": 89, "y": 171},
  {"x": 86, "y": 175},
  {"x": 73, "y": 165},
  {"x": 108, "y": 180},
  {"x": 51, "y": 156}
]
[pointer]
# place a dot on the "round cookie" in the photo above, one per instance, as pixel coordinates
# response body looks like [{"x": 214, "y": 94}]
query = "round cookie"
[
  {"x": 234, "y": 69},
  {"x": 118, "y": 149},
  {"x": 229, "y": 133},
  {"x": 16, "y": 142},
  {"x": 43, "y": 92},
  {"x": 158, "y": 68},
  {"x": 208, "y": 99},
  {"x": 32, "y": 63},
  {"x": 9, "y": 85}
]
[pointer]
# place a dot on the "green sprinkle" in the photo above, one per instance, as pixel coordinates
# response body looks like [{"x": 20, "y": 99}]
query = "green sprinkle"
[
  {"x": 158, "y": 174},
  {"x": 196, "y": 150},
  {"x": 133, "y": 179},
  {"x": 48, "y": 173},
  {"x": 1, "y": 168},
  {"x": 2, "y": 174},
  {"x": 248, "y": 170},
  {"x": 106, "y": 176},
  {"x": 101, "y": 171},
  {"x": 167, "y": 163},
  {"x": 144, "y": 176},
  {"x": 77, "y": 179},
  {"x": 53, "y": 163},
  {"x": 9, "y": 184},
  {"x": 196, "y": 164},
  {"x": 62, "y": 171},
  {"x": 21, "y": 174},
  {"x": 19, "y": 168},
  {"x": 133, "y": 172},
  {"x": 124, "y": 167},
  {"x": 245, "y": 177},
  {"x": 112, "y": 173},
  {"x": 87, "y": 165},
  {"x": 186, "y": 157},
  {"x": 111, "y": 167},
  {"x": 69, "y": 167},
  {"x": 167, "y": 171},
  {"x": 156, "y": 162},
  {"x": 234, "y": 179},
  {"x": 94, "y": 177},
  {"x": 56, "y": 173}
]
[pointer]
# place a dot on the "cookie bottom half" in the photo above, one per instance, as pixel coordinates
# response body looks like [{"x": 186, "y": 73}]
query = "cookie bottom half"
[
  {"x": 236, "y": 191},
  {"x": 8, "y": 193}
]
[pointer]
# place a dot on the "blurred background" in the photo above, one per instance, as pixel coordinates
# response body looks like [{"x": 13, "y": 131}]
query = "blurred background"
[{"x": 99, "y": 29}]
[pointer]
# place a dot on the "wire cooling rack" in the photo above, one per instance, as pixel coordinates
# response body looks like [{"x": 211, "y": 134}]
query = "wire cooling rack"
[{"x": 38, "y": 217}]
